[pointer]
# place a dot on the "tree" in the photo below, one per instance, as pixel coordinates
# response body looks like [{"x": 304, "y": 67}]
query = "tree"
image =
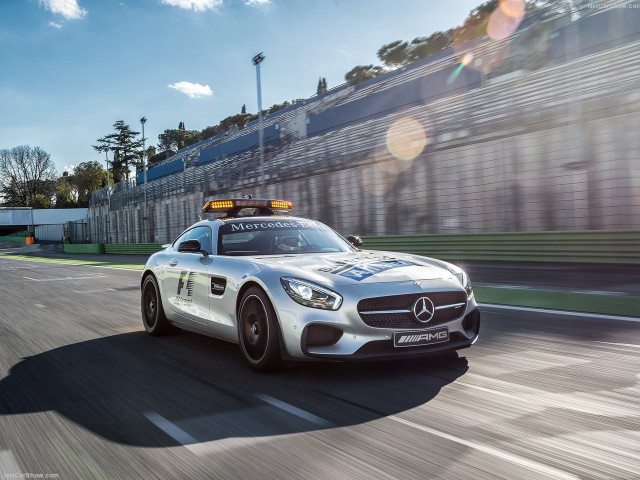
[
  {"x": 322, "y": 85},
  {"x": 177, "y": 139},
  {"x": 150, "y": 152},
  {"x": 423, "y": 47},
  {"x": 87, "y": 177},
  {"x": 126, "y": 148},
  {"x": 26, "y": 176},
  {"x": 41, "y": 201},
  {"x": 394, "y": 54},
  {"x": 475, "y": 25},
  {"x": 362, "y": 73},
  {"x": 65, "y": 193}
]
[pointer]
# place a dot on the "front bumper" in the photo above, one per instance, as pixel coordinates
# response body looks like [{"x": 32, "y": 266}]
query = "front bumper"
[{"x": 360, "y": 341}]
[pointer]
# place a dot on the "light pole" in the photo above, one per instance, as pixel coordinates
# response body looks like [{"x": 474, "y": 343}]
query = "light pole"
[
  {"x": 256, "y": 61},
  {"x": 143, "y": 120},
  {"x": 106, "y": 159}
]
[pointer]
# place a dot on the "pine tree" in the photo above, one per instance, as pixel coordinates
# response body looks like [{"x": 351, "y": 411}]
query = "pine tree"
[{"x": 125, "y": 147}]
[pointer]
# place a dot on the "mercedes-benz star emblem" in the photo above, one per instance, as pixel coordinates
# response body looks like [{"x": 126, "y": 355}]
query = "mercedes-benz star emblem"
[{"x": 423, "y": 309}]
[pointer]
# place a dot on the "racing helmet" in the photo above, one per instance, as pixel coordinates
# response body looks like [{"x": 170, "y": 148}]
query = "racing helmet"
[{"x": 290, "y": 243}]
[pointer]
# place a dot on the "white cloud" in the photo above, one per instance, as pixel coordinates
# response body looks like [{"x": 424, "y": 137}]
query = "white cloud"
[
  {"x": 69, "y": 9},
  {"x": 256, "y": 3},
  {"x": 195, "y": 5},
  {"x": 55, "y": 25},
  {"x": 192, "y": 90}
]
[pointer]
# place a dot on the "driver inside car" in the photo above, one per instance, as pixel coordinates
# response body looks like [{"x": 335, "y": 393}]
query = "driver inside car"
[{"x": 289, "y": 244}]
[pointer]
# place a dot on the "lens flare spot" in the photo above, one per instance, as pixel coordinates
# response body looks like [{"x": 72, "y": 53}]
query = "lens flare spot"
[
  {"x": 375, "y": 180},
  {"x": 406, "y": 139},
  {"x": 454, "y": 74},
  {"x": 512, "y": 8},
  {"x": 476, "y": 54},
  {"x": 501, "y": 25}
]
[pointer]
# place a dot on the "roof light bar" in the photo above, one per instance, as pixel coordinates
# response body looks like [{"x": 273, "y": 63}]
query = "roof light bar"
[{"x": 225, "y": 206}]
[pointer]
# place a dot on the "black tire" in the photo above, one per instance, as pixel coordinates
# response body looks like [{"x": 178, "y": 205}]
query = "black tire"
[
  {"x": 258, "y": 331},
  {"x": 153, "y": 318}
]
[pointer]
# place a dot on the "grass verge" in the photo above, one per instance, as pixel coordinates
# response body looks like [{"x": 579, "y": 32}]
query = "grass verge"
[
  {"x": 554, "y": 300},
  {"x": 75, "y": 261}
]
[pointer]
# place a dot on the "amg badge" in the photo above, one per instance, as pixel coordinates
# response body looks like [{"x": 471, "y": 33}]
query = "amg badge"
[{"x": 420, "y": 337}]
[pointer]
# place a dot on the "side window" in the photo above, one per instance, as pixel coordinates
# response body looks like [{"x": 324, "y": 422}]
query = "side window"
[
  {"x": 180, "y": 239},
  {"x": 203, "y": 235}
]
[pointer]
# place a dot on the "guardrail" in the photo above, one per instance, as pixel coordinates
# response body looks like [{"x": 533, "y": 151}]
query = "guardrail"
[
  {"x": 132, "y": 248},
  {"x": 591, "y": 246},
  {"x": 594, "y": 246},
  {"x": 94, "y": 248}
]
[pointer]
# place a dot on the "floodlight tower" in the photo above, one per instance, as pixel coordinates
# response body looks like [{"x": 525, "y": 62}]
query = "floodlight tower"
[
  {"x": 256, "y": 61},
  {"x": 143, "y": 120},
  {"x": 106, "y": 158}
]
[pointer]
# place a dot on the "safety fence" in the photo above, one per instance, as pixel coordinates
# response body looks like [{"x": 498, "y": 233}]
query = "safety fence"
[
  {"x": 78, "y": 231},
  {"x": 599, "y": 246},
  {"x": 113, "y": 248}
]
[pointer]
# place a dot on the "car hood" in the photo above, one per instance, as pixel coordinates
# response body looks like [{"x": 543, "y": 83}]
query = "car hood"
[{"x": 357, "y": 268}]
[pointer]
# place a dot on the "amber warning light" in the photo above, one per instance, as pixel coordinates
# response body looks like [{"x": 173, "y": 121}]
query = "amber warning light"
[{"x": 233, "y": 204}]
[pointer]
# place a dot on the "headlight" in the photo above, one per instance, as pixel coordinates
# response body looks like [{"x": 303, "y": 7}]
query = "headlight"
[
  {"x": 466, "y": 282},
  {"x": 311, "y": 295}
]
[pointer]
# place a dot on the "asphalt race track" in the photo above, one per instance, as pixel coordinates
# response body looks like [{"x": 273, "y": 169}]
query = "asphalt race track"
[{"x": 85, "y": 393}]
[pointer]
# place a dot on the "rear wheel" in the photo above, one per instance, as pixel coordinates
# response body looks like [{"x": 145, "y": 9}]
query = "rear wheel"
[
  {"x": 153, "y": 318},
  {"x": 259, "y": 332}
]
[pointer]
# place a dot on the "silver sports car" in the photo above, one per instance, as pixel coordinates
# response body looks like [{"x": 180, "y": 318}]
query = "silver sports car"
[{"x": 288, "y": 288}]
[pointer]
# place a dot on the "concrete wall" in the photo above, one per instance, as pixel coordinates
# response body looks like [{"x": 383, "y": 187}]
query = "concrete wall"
[
  {"x": 554, "y": 149},
  {"x": 50, "y": 216}
]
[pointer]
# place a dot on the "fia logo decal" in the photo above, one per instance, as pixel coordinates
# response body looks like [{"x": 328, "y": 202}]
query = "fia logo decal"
[{"x": 191, "y": 276}]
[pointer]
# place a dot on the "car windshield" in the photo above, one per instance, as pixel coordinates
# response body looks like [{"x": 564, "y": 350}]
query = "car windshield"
[{"x": 278, "y": 237}]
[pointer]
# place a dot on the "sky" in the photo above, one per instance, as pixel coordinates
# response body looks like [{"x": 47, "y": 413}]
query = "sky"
[{"x": 69, "y": 69}]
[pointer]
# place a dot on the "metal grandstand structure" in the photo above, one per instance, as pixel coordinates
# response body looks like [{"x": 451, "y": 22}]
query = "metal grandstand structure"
[{"x": 550, "y": 97}]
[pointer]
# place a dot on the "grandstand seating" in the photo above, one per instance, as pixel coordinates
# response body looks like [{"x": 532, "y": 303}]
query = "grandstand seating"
[{"x": 344, "y": 115}]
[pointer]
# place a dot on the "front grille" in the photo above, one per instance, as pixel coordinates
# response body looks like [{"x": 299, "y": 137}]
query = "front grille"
[{"x": 384, "y": 319}]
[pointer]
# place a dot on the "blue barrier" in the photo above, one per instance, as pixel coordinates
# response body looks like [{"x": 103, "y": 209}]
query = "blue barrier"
[{"x": 421, "y": 90}]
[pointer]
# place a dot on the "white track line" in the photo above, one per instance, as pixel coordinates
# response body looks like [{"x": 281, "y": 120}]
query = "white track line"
[
  {"x": 298, "y": 412},
  {"x": 9, "y": 465},
  {"x": 563, "y": 312},
  {"x": 619, "y": 344},
  {"x": 518, "y": 460},
  {"x": 92, "y": 277},
  {"x": 171, "y": 429}
]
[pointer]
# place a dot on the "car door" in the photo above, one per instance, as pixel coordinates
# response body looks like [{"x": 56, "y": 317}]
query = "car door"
[{"x": 187, "y": 281}]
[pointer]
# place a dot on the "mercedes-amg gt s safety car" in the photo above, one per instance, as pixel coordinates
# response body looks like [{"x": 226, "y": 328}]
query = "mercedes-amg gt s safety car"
[{"x": 291, "y": 288}]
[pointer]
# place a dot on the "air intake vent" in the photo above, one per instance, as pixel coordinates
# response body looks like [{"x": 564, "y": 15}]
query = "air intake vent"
[{"x": 322, "y": 335}]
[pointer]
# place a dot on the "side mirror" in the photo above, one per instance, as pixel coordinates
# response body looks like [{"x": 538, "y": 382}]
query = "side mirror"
[
  {"x": 190, "y": 246},
  {"x": 354, "y": 240}
]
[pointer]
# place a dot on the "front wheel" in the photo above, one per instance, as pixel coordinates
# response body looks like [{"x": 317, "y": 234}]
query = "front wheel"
[
  {"x": 258, "y": 331},
  {"x": 153, "y": 318}
]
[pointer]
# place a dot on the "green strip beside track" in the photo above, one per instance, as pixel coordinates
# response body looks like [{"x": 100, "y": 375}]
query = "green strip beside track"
[
  {"x": 74, "y": 261},
  {"x": 557, "y": 300}
]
